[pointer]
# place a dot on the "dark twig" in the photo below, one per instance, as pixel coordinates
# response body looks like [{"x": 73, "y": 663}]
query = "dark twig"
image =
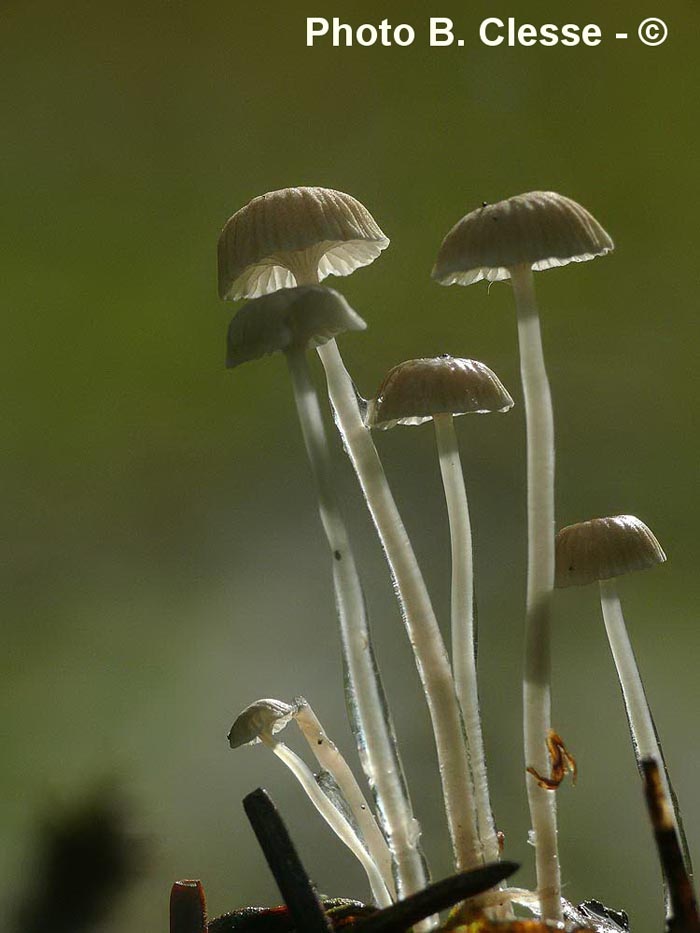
[
  {"x": 188, "y": 909},
  {"x": 295, "y": 885},
  {"x": 682, "y": 912},
  {"x": 436, "y": 897}
]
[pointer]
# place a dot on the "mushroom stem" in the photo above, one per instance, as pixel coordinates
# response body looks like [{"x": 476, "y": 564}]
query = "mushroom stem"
[
  {"x": 330, "y": 759},
  {"x": 331, "y": 815},
  {"x": 645, "y": 740},
  {"x": 638, "y": 713},
  {"x": 540, "y": 584},
  {"x": 376, "y": 737},
  {"x": 463, "y": 632},
  {"x": 423, "y": 631}
]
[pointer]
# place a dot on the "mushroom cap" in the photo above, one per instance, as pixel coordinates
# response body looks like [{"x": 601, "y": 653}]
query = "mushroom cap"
[
  {"x": 541, "y": 229},
  {"x": 295, "y": 230},
  {"x": 415, "y": 391},
  {"x": 604, "y": 548},
  {"x": 263, "y": 716},
  {"x": 303, "y": 317}
]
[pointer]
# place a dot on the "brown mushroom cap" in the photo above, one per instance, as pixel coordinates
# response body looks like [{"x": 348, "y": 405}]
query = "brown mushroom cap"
[
  {"x": 541, "y": 229},
  {"x": 303, "y": 317},
  {"x": 275, "y": 239},
  {"x": 604, "y": 548},
  {"x": 415, "y": 391},
  {"x": 260, "y": 718}
]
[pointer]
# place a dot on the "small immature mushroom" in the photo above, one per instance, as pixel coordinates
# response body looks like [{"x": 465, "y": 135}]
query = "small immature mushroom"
[
  {"x": 291, "y": 321},
  {"x": 511, "y": 239},
  {"x": 262, "y": 718},
  {"x": 259, "y": 722},
  {"x": 287, "y": 233},
  {"x": 437, "y": 389},
  {"x": 598, "y": 551}
]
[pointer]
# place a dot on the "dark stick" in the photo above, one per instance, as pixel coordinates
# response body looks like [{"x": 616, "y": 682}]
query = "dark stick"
[
  {"x": 439, "y": 896},
  {"x": 295, "y": 885},
  {"x": 683, "y": 914},
  {"x": 188, "y": 911}
]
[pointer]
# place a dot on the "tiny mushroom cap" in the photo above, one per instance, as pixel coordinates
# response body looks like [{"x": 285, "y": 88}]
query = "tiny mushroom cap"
[
  {"x": 292, "y": 318},
  {"x": 417, "y": 390},
  {"x": 604, "y": 548},
  {"x": 541, "y": 229},
  {"x": 277, "y": 239},
  {"x": 262, "y": 718}
]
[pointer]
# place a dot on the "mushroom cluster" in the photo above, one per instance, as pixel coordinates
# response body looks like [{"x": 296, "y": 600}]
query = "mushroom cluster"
[{"x": 276, "y": 251}]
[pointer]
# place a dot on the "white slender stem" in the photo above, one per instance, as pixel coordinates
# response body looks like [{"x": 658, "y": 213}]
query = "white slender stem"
[
  {"x": 641, "y": 724},
  {"x": 463, "y": 635},
  {"x": 428, "y": 647},
  {"x": 330, "y": 759},
  {"x": 540, "y": 585},
  {"x": 380, "y": 757},
  {"x": 332, "y": 816}
]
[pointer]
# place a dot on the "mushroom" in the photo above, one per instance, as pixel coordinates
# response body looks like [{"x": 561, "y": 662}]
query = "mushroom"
[
  {"x": 437, "y": 389},
  {"x": 305, "y": 233},
  {"x": 599, "y": 551},
  {"x": 295, "y": 236},
  {"x": 260, "y": 722},
  {"x": 292, "y": 320},
  {"x": 511, "y": 239}
]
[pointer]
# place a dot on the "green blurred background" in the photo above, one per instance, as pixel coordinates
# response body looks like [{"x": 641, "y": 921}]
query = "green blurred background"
[{"x": 164, "y": 562}]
